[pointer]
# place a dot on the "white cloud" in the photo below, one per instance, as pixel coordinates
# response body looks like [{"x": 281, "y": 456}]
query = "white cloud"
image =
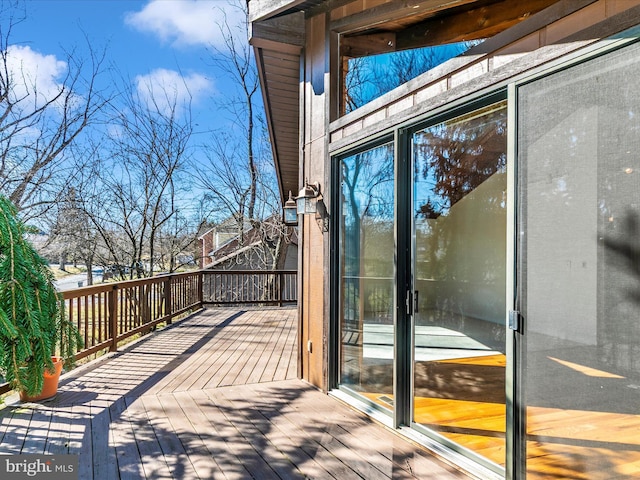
[
  {"x": 168, "y": 88},
  {"x": 187, "y": 22},
  {"x": 33, "y": 74}
]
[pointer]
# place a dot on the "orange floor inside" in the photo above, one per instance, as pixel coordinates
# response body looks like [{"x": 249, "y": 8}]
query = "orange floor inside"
[{"x": 561, "y": 443}]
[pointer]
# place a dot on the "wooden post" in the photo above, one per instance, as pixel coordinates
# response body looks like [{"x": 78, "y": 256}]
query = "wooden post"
[
  {"x": 280, "y": 287},
  {"x": 168, "y": 304},
  {"x": 113, "y": 318},
  {"x": 200, "y": 288}
]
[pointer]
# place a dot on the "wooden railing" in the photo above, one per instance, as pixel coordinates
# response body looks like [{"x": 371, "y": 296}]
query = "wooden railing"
[
  {"x": 110, "y": 313},
  {"x": 237, "y": 287}
]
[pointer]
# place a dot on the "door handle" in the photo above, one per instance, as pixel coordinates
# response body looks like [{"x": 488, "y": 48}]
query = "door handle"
[{"x": 412, "y": 302}]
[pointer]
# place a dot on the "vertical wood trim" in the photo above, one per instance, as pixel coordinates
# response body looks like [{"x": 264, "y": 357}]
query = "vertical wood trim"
[
  {"x": 302, "y": 132},
  {"x": 326, "y": 198}
]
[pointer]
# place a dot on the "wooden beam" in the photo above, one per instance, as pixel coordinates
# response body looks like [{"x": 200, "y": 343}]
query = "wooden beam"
[
  {"x": 558, "y": 10},
  {"x": 392, "y": 11},
  {"x": 363, "y": 45},
  {"x": 474, "y": 24}
]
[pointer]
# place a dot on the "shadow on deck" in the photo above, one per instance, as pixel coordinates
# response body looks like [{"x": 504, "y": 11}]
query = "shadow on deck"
[{"x": 212, "y": 396}]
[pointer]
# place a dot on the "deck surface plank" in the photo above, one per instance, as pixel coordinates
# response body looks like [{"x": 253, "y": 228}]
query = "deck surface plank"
[
  {"x": 15, "y": 431},
  {"x": 220, "y": 343},
  {"x": 127, "y": 453},
  {"x": 213, "y": 396},
  {"x": 104, "y": 462},
  {"x": 36, "y": 441},
  {"x": 227, "y": 455}
]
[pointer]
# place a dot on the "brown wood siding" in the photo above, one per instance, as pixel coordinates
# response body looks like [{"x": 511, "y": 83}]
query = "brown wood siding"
[{"x": 315, "y": 153}]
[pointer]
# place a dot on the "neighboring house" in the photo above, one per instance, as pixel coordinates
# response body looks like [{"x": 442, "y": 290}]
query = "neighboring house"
[
  {"x": 216, "y": 237},
  {"x": 268, "y": 246},
  {"x": 472, "y": 279}
]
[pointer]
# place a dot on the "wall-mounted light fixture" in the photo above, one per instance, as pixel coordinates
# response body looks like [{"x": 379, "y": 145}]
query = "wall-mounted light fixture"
[
  {"x": 307, "y": 198},
  {"x": 290, "y": 211}
]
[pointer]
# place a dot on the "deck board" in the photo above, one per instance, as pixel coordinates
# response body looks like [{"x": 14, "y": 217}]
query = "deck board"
[
  {"x": 213, "y": 396},
  {"x": 104, "y": 463}
]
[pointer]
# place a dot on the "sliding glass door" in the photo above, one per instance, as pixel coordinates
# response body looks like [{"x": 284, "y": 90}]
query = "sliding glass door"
[
  {"x": 367, "y": 274},
  {"x": 456, "y": 230},
  {"x": 459, "y": 280},
  {"x": 579, "y": 285}
]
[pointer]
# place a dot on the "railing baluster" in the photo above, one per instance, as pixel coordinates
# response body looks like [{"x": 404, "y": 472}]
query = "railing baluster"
[
  {"x": 113, "y": 318},
  {"x": 168, "y": 307}
]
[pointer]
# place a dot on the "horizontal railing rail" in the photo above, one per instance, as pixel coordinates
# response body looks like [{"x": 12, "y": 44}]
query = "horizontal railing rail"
[{"x": 110, "y": 313}]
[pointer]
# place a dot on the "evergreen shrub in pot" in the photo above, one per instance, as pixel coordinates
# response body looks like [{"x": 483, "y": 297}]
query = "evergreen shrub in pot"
[{"x": 33, "y": 328}]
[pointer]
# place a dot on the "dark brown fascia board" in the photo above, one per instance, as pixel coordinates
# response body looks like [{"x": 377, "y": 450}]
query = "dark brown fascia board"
[
  {"x": 260, "y": 10},
  {"x": 282, "y": 35},
  {"x": 384, "y": 13}
]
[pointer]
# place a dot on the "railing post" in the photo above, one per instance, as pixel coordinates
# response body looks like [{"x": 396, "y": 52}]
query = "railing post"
[
  {"x": 168, "y": 304},
  {"x": 200, "y": 289},
  {"x": 113, "y": 318},
  {"x": 280, "y": 287}
]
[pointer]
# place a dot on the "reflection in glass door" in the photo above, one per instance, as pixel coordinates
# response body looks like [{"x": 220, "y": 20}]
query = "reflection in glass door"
[
  {"x": 366, "y": 274},
  {"x": 459, "y": 275}
]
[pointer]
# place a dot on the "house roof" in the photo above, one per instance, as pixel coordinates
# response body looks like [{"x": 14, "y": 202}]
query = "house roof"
[
  {"x": 228, "y": 225},
  {"x": 278, "y": 37},
  {"x": 251, "y": 239}
]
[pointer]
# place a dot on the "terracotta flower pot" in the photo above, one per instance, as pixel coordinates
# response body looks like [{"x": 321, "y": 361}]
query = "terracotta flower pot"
[{"x": 50, "y": 387}]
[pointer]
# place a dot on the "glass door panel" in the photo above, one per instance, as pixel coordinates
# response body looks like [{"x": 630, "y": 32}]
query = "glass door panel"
[
  {"x": 459, "y": 277},
  {"x": 366, "y": 249},
  {"x": 579, "y": 183}
]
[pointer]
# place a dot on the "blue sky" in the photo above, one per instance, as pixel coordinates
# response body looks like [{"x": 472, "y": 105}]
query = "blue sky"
[{"x": 151, "y": 42}]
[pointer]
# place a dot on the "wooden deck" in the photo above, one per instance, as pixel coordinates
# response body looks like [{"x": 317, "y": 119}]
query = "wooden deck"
[{"x": 212, "y": 396}]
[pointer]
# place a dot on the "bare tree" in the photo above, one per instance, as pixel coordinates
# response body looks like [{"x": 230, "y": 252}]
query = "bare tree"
[
  {"x": 175, "y": 244},
  {"x": 71, "y": 236},
  {"x": 38, "y": 122},
  {"x": 133, "y": 195},
  {"x": 237, "y": 173},
  {"x": 236, "y": 61}
]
